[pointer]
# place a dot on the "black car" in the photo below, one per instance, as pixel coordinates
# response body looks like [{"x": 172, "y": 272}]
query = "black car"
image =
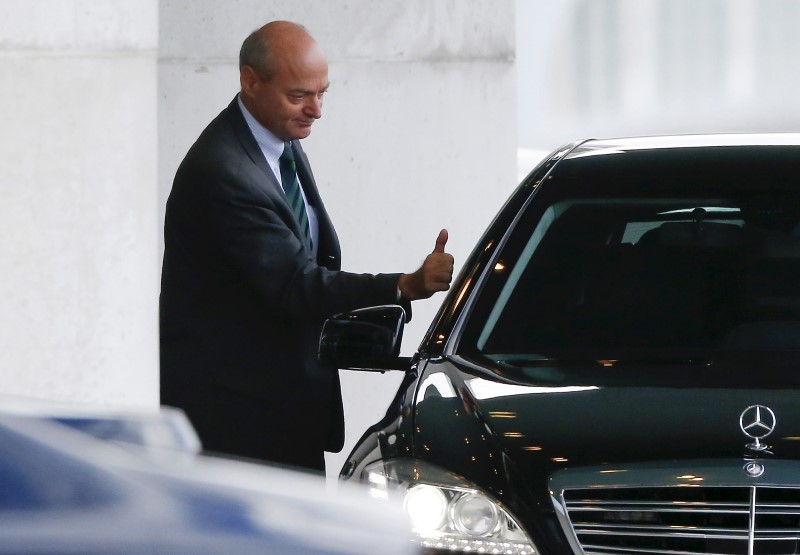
[{"x": 617, "y": 368}]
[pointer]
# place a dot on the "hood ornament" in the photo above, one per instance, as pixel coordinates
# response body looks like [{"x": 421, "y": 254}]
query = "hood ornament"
[{"x": 757, "y": 422}]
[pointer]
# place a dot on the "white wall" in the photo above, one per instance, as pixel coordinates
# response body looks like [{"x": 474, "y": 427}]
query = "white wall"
[
  {"x": 78, "y": 215},
  {"x": 418, "y": 130},
  {"x": 606, "y": 68}
]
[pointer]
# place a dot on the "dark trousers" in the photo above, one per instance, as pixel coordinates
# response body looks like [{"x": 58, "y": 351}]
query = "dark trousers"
[{"x": 230, "y": 424}]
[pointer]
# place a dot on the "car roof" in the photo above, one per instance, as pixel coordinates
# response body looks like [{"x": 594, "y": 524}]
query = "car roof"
[
  {"x": 601, "y": 147},
  {"x": 675, "y": 164}
]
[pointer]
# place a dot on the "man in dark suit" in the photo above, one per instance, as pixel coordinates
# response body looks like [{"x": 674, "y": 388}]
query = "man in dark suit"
[{"x": 252, "y": 268}]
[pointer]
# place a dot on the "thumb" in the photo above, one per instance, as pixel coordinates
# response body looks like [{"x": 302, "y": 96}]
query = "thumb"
[{"x": 441, "y": 240}]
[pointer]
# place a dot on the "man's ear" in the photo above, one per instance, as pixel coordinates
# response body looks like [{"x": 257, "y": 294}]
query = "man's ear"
[{"x": 248, "y": 79}]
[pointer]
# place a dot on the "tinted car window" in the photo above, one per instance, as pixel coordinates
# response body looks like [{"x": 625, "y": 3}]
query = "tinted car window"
[{"x": 641, "y": 274}]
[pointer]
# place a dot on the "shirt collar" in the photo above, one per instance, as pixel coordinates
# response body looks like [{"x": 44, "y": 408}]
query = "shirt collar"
[{"x": 270, "y": 145}]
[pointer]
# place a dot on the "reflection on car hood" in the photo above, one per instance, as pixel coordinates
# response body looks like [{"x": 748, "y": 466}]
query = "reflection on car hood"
[{"x": 579, "y": 424}]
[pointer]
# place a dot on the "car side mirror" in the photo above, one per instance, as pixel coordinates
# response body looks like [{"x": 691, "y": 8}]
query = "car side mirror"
[{"x": 365, "y": 339}]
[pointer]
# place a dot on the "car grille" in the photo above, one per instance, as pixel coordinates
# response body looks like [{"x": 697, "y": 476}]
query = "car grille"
[{"x": 684, "y": 520}]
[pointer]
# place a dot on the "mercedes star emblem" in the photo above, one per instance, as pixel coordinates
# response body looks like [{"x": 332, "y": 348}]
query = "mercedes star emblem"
[
  {"x": 757, "y": 422},
  {"x": 754, "y": 469}
]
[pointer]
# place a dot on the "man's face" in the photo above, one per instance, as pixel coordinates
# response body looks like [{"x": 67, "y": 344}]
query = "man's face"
[{"x": 290, "y": 101}]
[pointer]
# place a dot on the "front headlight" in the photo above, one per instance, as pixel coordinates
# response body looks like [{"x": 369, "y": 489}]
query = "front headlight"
[{"x": 447, "y": 512}]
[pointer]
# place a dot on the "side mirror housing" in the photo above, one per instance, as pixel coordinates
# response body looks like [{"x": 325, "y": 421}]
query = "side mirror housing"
[{"x": 365, "y": 339}]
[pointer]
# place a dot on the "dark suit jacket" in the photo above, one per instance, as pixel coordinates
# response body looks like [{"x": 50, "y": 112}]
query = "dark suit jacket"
[{"x": 243, "y": 300}]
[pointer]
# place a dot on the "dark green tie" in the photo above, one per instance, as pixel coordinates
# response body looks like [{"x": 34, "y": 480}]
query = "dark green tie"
[{"x": 292, "y": 190}]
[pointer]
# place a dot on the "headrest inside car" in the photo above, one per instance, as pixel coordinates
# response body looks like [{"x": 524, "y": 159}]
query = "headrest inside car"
[{"x": 694, "y": 234}]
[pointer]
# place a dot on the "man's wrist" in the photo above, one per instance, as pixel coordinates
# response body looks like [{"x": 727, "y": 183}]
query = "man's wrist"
[{"x": 402, "y": 288}]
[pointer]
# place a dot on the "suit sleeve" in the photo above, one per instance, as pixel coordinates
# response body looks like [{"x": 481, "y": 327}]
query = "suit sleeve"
[{"x": 249, "y": 228}]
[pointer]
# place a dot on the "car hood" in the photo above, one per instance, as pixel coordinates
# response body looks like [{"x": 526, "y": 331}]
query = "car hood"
[{"x": 549, "y": 427}]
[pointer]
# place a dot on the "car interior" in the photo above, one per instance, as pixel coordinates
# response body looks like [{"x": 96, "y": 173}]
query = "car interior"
[{"x": 606, "y": 277}]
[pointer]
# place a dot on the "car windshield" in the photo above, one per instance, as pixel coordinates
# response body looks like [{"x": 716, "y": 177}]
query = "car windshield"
[{"x": 610, "y": 278}]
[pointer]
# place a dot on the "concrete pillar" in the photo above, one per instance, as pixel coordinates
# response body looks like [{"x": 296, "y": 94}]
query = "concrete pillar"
[
  {"x": 79, "y": 216},
  {"x": 419, "y": 128}
]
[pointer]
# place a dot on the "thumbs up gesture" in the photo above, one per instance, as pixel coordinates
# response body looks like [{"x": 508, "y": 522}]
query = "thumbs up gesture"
[{"x": 434, "y": 275}]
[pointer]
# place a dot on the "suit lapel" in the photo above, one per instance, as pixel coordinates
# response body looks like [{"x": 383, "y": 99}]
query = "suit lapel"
[
  {"x": 249, "y": 143},
  {"x": 273, "y": 187},
  {"x": 328, "y": 251}
]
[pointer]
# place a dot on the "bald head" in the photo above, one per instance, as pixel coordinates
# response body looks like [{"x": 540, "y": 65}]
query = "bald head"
[{"x": 265, "y": 48}]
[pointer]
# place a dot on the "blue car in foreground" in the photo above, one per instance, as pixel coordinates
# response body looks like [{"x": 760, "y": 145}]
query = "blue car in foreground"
[{"x": 136, "y": 484}]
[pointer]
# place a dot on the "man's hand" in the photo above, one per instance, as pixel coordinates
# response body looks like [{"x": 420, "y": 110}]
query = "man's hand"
[{"x": 434, "y": 275}]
